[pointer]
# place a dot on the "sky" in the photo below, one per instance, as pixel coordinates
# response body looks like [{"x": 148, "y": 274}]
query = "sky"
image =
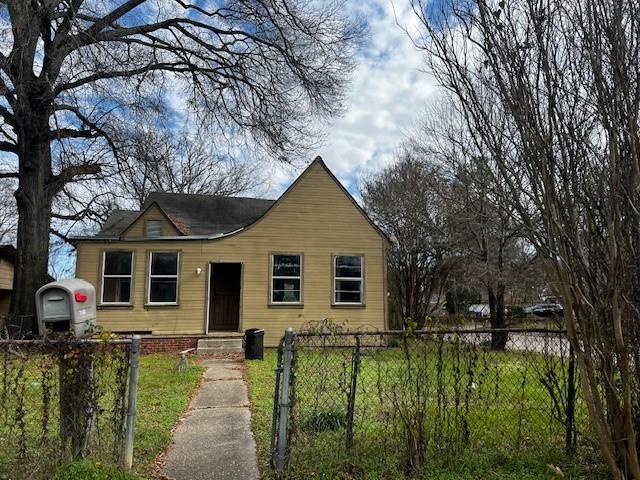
[
  {"x": 388, "y": 94},
  {"x": 386, "y": 98}
]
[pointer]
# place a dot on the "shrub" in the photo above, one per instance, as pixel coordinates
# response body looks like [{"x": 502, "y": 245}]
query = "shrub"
[
  {"x": 393, "y": 342},
  {"x": 87, "y": 470},
  {"x": 324, "y": 420}
]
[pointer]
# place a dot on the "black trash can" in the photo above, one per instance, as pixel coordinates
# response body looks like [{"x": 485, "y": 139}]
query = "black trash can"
[{"x": 254, "y": 344}]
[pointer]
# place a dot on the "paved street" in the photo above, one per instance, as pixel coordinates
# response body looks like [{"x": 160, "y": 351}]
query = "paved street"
[{"x": 527, "y": 342}]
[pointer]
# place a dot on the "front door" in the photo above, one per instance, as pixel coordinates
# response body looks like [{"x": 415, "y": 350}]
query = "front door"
[{"x": 224, "y": 297}]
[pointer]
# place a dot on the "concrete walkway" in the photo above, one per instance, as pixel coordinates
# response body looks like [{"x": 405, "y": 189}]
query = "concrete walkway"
[{"x": 214, "y": 440}]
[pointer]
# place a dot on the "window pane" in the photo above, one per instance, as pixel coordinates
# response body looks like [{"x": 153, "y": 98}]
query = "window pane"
[
  {"x": 116, "y": 290},
  {"x": 286, "y": 290},
  {"x": 164, "y": 263},
  {"x": 163, "y": 290},
  {"x": 348, "y": 266},
  {"x": 348, "y": 291},
  {"x": 154, "y": 228},
  {"x": 286, "y": 265},
  {"x": 117, "y": 263}
]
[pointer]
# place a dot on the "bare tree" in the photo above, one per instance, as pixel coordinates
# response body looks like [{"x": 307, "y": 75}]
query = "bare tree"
[
  {"x": 564, "y": 75},
  {"x": 72, "y": 70},
  {"x": 480, "y": 225},
  {"x": 404, "y": 201},
  {"x": 163, "y": 161}
]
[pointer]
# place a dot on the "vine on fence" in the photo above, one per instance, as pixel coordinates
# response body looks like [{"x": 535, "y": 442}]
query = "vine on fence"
[{"x": 61, "y": 399}]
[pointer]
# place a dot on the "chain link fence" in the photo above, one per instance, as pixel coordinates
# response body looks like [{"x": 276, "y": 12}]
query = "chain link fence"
[
  {"x": 62, "y": 399},
  {"x": 396, "y": 404}
]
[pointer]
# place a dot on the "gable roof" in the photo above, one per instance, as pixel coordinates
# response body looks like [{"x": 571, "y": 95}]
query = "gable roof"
[
  {"x": 118, "y": 222},
  {"x": 194, "y": 214},
  {"x": 198, "y": 216},
  {"x": 178, "y": 224},
  {"x": 318, "y": 161},
  {"x": 191, "y": 214},
  {"x": 381, "y": 232}
]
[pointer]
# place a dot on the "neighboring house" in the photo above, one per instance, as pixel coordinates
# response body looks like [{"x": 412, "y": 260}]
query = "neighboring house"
[
  {"x": 200, "y": 264},
  {"x": 7, "y": 257},
  {"x": 8, "y": 254}
]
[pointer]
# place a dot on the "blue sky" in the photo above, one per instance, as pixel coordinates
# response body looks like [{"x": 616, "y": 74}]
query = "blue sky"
[{"x": 387, "y": 97}]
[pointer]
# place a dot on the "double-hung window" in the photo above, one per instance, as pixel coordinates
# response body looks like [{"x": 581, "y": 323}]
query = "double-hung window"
[
  {"x": 286, "y": 279},
  {"x": 117, "y": 270},
  {"x": 163, "y": 278},
  {"x": 348, "y": 281}
]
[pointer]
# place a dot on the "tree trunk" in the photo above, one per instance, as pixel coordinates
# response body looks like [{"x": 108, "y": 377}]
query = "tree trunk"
[
  {"x": 497, "y": 316},
  {"x": 33, "y": 199}
]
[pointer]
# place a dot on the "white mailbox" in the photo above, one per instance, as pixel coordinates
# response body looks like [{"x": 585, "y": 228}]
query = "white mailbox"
[{"x": 67, "y": 305}]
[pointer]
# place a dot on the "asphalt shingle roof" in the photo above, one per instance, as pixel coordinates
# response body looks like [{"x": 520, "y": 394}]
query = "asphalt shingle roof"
[
  {"x": 194, "y": 214},
  {"x": 117, "y": 222}
]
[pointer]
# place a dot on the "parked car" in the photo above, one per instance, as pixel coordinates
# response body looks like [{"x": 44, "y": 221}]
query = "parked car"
[
  {"x": 545, "y": 310},
  {"x": 479, "y": 310}
]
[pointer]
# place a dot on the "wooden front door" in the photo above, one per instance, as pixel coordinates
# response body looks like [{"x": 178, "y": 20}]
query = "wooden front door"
[{"x": 224, "y": 306}]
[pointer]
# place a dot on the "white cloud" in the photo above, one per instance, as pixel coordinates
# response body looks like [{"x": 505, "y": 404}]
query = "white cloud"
[
  {"x": 387, "y": 96},
  {"x": 388, "y": 93}
]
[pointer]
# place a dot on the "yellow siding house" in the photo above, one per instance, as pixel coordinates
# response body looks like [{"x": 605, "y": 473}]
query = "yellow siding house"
[
  {"x": 7, "y": 257},
  {"x": 204, "y": 265}
]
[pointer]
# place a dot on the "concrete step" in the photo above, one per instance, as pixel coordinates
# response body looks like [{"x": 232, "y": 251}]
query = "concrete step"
[{"x": 220, "y": 345}]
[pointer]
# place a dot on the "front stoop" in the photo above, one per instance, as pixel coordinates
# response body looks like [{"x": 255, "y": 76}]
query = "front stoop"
[{"x": 221, "y": 342}]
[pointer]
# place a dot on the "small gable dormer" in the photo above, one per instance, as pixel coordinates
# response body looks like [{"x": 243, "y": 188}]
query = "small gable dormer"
[{"x": 153, "y": 222}]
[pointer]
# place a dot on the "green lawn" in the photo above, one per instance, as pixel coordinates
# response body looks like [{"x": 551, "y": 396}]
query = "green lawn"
[
  {"x": 510, "y": 434},
  {"x": 163, "y": 396}
]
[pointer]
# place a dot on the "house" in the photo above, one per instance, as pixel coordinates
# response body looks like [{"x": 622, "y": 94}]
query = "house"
[
  {"x": 198, "y": 265},
  {"x": 7, "y": 259},
  {"x": 8, "y": 254}
]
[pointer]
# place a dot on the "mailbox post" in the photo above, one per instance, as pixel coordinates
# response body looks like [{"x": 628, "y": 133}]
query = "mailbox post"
[{"x": 70, "y": 306}]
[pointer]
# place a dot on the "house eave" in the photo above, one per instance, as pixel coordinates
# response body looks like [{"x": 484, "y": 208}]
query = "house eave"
[{"x": 156, "y": 239}]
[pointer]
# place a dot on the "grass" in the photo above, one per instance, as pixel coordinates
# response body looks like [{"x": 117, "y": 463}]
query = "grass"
[
  {"x": 88, "y": 470},
  {"x": 163, "y": 396},
  {"x": 499, "y": 447}
]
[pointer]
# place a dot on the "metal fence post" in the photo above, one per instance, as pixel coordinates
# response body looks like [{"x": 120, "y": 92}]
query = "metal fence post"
[
  {"x": 570, "y": 428},
  {"x": 134, "y": 364},
  {"x": 351, "y": 402},
  {"x": 283, "y": 424},
  {"x": 276, "y": 406}
]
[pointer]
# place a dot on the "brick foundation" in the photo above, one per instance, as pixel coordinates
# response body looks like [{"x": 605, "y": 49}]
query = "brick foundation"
[{"x": 167, "y": 344}]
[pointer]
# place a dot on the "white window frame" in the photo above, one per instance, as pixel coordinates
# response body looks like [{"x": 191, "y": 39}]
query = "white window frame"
[
  {"x": 351, "y": 279},
  {"x": 176, "y": 276},
  {"x": 273, "y": 277},
  {"x": 130, "y": 277}
]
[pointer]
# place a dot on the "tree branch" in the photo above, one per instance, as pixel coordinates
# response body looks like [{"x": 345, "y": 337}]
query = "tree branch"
[
  {"x": 62, "y": 133},
  {"x": 68, "y": 174},
  {"x": 60, "y": 235},
  {"x": 8, "y": 147}
]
